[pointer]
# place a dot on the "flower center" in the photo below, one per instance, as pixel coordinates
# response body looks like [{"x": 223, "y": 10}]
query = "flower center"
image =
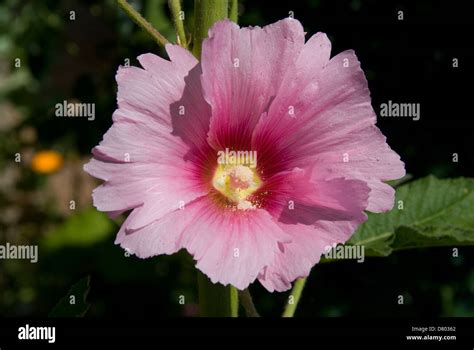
[{"x": 237, "y": 183}]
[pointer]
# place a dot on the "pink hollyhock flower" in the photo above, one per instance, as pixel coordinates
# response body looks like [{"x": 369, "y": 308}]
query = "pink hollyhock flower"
[{"x": 320, "y": 160}]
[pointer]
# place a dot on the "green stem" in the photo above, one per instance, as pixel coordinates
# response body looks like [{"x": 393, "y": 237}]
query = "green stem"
[
  {"x": 247, "y": 303},
  {"x": 175, "y": 8},
  {"x": 142, "y": 22},
  {"x": 294, "y": 297},
  {"x": 206, "y": 13},
  {"x": 216, "y": 300},
  {"x": 234, "y": 11}
]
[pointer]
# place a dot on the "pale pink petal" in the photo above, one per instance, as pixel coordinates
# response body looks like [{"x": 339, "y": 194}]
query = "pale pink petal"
[
  {"x": 300, "y": 86},
  {"x": 242, "y": 71},
  {"x": 183, "y": 59},
  {"x": 382, "y": 196},
  {"x": 138, "y": 171},
  {"x": 160, "y": 237},
  {"x": 191, "y": 113},
  {"x": 307, "y": 245},
  {"x": 156, "y": 188},
  {"x": 143, "y": 91},
  {"x": 230, "y": 247},
  {"x": 295, "y": 197},
  {"x": 321, "y": 213},
  {"x": 150, "y": 161},
  {"x": 128, "y": 141},
  {"x": 173, "y": 193},
  {"x": 125, "y": 184},
  {"x": 335, "y": 134},
  {"x": 367, "y": 157},
  {"x": 157, "y": 94}
]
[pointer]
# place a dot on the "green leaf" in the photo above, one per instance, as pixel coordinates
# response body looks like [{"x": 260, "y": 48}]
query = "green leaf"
[
  {"x": 82, "y": 229},
  {"x": 73, "y": 304},
  {"x": 428, "y": 212}
]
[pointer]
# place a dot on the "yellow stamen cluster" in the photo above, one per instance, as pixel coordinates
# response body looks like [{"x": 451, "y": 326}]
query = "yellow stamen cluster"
[{"x": 237, "y": 183}]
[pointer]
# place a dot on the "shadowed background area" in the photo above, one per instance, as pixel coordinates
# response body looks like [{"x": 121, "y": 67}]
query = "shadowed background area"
[{"x": 47, "y": 57}]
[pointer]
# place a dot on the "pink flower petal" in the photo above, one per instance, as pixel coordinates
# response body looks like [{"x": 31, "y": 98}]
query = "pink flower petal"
[
  {"x": 307, "y": 245},
  {"x": 300, "y": 85},
  {"x": 156, "y": 188},
  {"x": 160, "y": 237},
  {"x": 127, "y": 142},
  {"x": 230, "y": 247},
  {"x": 298, "y": 198},
  {"x": 181, "y": 58},
  {"x": 335, "y": 133},
  {"x": 242, "y": 71},
  {"x": 148, "y": 159},
  {"x": 138, "y": 171}
]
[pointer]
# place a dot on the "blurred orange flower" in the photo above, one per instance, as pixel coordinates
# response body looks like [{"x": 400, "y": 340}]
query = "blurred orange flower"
[{"x": 46, "y": 162}]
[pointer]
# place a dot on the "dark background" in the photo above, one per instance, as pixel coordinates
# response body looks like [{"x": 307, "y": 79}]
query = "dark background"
[{"x": 407, "y": 61}]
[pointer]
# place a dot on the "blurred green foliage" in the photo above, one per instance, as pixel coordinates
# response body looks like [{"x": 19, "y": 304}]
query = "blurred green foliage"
[
  {"x": 82, "y": 229},
  {"x": 74, "y": 303}
]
